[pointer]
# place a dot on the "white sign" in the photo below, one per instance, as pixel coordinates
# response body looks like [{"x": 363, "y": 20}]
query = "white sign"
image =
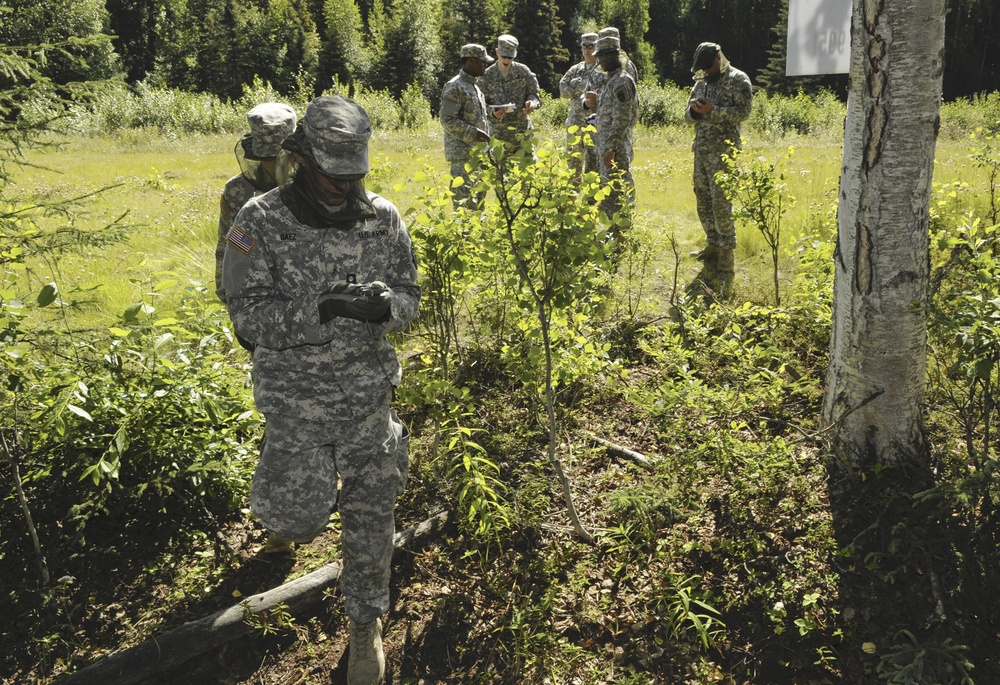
[{"x": 819, "y": 37}]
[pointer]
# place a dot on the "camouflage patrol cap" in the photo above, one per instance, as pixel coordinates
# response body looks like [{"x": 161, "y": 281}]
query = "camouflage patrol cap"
[
  {"x": 704, "y": 55},
  {"x": 333, "y": 136},
  {"x": 477, "y": 51},
  {"x": 507, "y": 45},
  {"x": 588, "y": 38},
  {"x": 609, "y": 31},
  {"x": 269, "y": 123},
  {"x": 607, "y": 44}
]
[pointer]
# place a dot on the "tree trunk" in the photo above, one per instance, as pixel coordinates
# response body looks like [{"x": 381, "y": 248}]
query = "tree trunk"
[{"x": 875, "y": 381}]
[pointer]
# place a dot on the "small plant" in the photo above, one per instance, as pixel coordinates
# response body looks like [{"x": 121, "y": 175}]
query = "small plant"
[
  {"x": 760, "y": 197},
  {"x": 687, "y": 610},
  {"x": 910, "y": 662},
  {"x": 272, "y": 621}
]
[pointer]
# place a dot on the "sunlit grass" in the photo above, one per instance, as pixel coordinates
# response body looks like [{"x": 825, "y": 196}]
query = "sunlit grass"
[{"x": 168, "y": 188}]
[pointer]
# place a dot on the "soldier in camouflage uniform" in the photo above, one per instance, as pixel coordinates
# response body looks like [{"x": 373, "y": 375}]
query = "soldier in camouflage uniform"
[
  {"x": 617, "y": 106},
  {"x": 256, "y": 151},
  {"x": 463, "y": 117},
  {"x": 720, "y": 100},
  {"x": 510, "y": 83},
  {"x": 317, "y": 272},
  {"x": 580, "y": 78}
]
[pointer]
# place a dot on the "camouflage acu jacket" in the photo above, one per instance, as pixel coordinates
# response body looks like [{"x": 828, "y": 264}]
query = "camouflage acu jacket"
[
  {"x": 731, "y": 97},
  {"x": 519, "y": 86},
  {"x": 463, "y": 110},
  {"x": 274, "y": 271},
  {"x": 578, "y": 80},
  {"x": 617, "y": 114}
]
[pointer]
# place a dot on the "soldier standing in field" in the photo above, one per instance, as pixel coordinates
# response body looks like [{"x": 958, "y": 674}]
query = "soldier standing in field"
[
  {"x": 317, "y": 272},
  {"x": 720, "y": 101},
  {"x": 463, "y": 118},
  {"x": 510, "y": 83},
  {"x": 617, "y": 106},
  {"x": 256, "y": 152},
  {"x": 580, "y": 78}
]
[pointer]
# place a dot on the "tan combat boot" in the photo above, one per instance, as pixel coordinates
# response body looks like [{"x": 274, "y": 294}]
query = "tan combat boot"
[
  {"x": 278, "y": 545},
  {"x": 706, "y": 254},
  {"x": 366, "y": 661},
  {"x": 726, "y": 260}
]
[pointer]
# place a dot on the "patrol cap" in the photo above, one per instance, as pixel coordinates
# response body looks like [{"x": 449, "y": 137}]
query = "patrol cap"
[
  {"x": 269, "y": 123},
  {"x": 588, "y": 38},
  {"x": 607, "y": 44},
  {"x": 333, "y": 136},
  {"x": 507, "y": 45},
  {"x": 609, "y": 31},
  {"x": 704, "y": 55},
  {"x": 475, "y": 50}
]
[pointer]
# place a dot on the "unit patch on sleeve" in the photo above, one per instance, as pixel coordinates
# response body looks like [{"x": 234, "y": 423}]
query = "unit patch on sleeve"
[{"x": 241, "y": 240}]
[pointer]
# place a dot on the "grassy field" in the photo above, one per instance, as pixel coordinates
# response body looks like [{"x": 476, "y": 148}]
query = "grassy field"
[{"x": 168, "y": 188}]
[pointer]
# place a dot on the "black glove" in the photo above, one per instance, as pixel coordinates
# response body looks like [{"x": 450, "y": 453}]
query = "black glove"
[{"x": 368, "y": 302}]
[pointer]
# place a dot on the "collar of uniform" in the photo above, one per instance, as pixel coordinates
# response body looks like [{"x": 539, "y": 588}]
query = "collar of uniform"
[{"x": 466, "y": 76}]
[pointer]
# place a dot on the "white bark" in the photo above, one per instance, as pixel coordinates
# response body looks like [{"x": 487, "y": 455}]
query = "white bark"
[{"x": 875, "y": 381}]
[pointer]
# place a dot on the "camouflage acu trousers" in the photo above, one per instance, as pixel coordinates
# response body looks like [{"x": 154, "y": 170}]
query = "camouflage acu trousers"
[
  {"x": 295, "y": 489},
  {"x": 714, "y": 210}
]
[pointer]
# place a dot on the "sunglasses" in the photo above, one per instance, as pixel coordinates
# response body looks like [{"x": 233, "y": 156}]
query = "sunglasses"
[{"x": 588, "y": 45}]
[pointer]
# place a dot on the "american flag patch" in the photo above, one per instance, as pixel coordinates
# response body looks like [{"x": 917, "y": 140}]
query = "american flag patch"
[{"x": 241, "y": 240}]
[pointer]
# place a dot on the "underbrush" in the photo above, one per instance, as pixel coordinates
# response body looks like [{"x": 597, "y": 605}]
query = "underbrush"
[{"x": 738, "y": 550}]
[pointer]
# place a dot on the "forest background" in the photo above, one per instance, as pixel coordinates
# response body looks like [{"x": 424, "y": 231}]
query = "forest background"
[
  {"x": 303, "y": 47},
  {"x": 739, "y": 552}
]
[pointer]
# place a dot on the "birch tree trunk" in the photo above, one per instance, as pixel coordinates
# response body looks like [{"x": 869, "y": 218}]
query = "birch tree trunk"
[{"x": 875, "y": 381}]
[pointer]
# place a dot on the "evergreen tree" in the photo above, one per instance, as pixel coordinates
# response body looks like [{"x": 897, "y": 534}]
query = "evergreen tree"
[
  {"x": 70, "y": 35},
  {"x": 972, "y": 64},
  {"x": 667, "y": 40},
  {"x": 411, "y": 50},
  {"x": 135, "y": 25},
  {"x": 342, "y": 55},
  {"x": 631, "y": 18},
  {"x": 538, "y": 28}
]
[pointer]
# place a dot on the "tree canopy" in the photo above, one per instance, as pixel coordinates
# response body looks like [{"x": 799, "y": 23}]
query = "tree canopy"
[{"x": 217, "y": 46}]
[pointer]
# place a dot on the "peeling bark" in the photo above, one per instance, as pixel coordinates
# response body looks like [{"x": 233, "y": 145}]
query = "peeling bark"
[{"x": 878, "y": 338}]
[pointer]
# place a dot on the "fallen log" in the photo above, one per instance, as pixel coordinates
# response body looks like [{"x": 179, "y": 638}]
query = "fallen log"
[
  {"x": 205, "y": 634},
  {"x": 619, "y": 451}
]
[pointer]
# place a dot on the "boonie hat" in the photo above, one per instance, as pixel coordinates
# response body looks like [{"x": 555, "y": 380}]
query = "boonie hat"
[
  {"x": 704, "y": 55},
  {"x": 475, "y": 50},
  {"x": 607, "y": 44},
  {"x": 269, "y": 123},
  {"x": 507, "y": 46},
  {"x": 588, "y": 38},
  {"x": 334, "y": 135}
]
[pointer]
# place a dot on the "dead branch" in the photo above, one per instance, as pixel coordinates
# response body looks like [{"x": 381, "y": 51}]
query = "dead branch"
[
  {"x": 624, "y": 452},
  {"x": 197, "y": 637}
]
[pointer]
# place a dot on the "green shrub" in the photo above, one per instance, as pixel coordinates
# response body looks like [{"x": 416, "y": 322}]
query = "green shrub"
[
  {"x": 553, "y": 112},
  {"x": 961, "y": 117},
  {"x": 662, "y": 105},
  {"x": 118, "y": 107},
  {"x": 414, "y": 110},
  {"x": 382, "y": 108},
  {"x": 775, "y": 116}
]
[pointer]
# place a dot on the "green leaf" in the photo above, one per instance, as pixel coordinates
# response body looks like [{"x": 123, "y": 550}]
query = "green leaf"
[
  {"x": 83, "y": 413},
  {"x": 48, "y": 295}
]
